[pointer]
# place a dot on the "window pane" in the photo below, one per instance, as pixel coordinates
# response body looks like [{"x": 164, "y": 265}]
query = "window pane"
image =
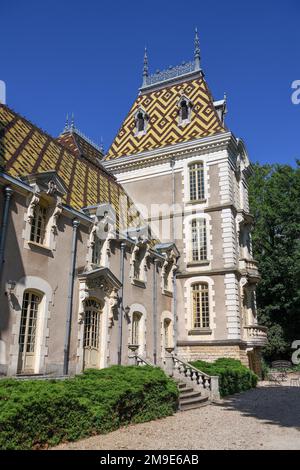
[
  {"x": 199, "y": 242},
  {"x": 196, "y": 181}
]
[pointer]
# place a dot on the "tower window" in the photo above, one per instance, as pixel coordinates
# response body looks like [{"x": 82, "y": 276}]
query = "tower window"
[
  {"x": 200, "y": 304},
  {"x": 184, "y": 110},
  {"x": 196, "y": 177},
  {"x": 141, "y": 120},
  {"x": 199, "y": 243}
]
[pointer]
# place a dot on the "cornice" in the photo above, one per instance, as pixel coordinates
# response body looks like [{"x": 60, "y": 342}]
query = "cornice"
[{"x": 214, "y": 143}]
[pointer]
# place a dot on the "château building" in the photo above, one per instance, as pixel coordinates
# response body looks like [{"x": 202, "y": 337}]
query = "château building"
[{"x": 133, "y": 254}]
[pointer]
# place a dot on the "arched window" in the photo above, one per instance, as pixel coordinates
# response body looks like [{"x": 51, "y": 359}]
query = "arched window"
[
  {"x": 135, "y": 328},
  {"x": 184, "y": 110},
  {"x": 38, "y": 225},
  {"x": 199, "y": 240},
  {"x": 28, "y": 331},
  {"x": 200, "y": 303},
  {"x": 141, "y": 120},
  {"x": 91, "y": 335},
  {"x": 196, "y": 177}
]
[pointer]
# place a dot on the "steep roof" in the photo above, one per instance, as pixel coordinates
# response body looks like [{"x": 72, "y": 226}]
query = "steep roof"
[
  {"x": 26, "y": 149},
  {"x": 160, "y": 100}
]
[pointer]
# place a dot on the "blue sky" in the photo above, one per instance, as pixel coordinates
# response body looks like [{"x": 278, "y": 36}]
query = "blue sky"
[{"x": 86, "y": 57}]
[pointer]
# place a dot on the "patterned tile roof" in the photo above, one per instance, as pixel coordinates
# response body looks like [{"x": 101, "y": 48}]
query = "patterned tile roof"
[
  {"x": 161, "y": 106},
  {"x": 26, "y": 149}
]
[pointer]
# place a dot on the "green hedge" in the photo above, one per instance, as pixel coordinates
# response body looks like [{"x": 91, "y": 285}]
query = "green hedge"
[
  {"x": 40, "y": 413},
  {"x": 233, "y": 375}
]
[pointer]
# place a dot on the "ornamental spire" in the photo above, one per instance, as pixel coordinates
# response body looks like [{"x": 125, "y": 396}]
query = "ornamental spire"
[
  {"x": 145, "y": 68},
  {"x": 72, "y": 127},
  {"x": 66, "y": 128},
  {"x": 197, "y": 50}
]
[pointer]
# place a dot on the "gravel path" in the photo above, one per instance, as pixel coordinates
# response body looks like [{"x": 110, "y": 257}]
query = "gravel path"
[{"x": 265, "y": 418}]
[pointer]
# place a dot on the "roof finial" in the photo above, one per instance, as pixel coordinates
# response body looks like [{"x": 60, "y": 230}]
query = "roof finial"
[
  {"x": 67, "y": 123},
  {"x": 197, "y": 50},
  {"x": 145, "y": 68},
  {"x": 101, "y": 146},
  {"x": 72, "y": 128}
]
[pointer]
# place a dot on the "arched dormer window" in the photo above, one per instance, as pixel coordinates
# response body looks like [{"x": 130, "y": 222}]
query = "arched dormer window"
[
  {"x": 141, "y": 121},
  {"x": 185, "y": 108}
]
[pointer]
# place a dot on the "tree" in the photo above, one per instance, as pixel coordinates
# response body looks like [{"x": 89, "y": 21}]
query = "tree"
[{"x": 275, "y": 203}]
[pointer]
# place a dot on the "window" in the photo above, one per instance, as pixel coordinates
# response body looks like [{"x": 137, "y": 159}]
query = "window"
[
  {"x": 91, "y": 324},
  {"x": 184, "y": 110},
  {"x": 38, "y": 226},
  {"x": 96, "y": 252},
  {"x": 27, "y": 336},
  {"x": 135, "y": 332},
  {"x": 196, "y": 176},
  {"x": 140, "y": 122},
  {"x": 199, "y": 243},
  {"x": 200, "y": 304}
]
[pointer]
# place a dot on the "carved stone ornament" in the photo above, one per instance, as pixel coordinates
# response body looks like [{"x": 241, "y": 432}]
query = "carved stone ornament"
[
  {"x": 113, "y": 306},
  {"x": 99, "y": 283},
  {"x": 31, "y": 208},
  {"x": 55, "y": 216},
  {"x": 83, "y": 295},
  {"x": 52, "y": 188}
]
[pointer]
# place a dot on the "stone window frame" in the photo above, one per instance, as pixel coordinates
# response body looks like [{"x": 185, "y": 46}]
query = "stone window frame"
[
  {"x": 138, "y": 308},
  {"x": 139, "y": 264},
  {"x": 209, "y": 332},
  {"x": 146, "y": 121},
  {"x": 184, "y": 122},
  {"x": 53, "y": 206},
  {"x": 188, "y": 241},
  {"x": 40, "y": 286}
]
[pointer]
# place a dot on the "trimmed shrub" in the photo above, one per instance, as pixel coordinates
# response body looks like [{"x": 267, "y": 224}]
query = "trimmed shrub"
[
  {"x": 40, "y": 413},
  {"x": 234, "y": 377}
]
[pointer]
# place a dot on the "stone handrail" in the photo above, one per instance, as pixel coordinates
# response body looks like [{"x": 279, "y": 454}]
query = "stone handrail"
[
  {"x": 140, "y": 361},
  {"x": 209, "y": 384},
  {"x": 256, "y": 334}
]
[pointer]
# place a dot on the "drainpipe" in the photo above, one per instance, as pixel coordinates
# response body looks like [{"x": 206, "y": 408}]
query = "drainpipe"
[
  {"x": 173, "y": 198},
  {"x": 8, "y": 192},
  {"x": 154, "y": 306},
  {"x": 75, "y": 225},
  {"x": 175, "y": 312},
  {"x": 120, "y": 330},
  {"x": 174, "y": 277}
]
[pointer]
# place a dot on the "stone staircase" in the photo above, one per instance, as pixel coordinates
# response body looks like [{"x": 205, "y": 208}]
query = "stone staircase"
[{"x": 189, "y": 398}]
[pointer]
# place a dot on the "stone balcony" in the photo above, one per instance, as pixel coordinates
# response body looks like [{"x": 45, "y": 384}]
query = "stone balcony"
[
  {"x": 256, "y": 335},
  {"x": 249, "y": 267}
]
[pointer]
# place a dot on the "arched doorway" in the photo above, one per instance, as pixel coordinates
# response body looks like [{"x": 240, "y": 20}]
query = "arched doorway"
[
  {"x": 28, "y": 331},
  {"x": 91, "y": 338}
]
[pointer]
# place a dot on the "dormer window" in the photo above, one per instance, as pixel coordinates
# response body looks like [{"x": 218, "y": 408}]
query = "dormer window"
[
  {"x": 184, "y": 112},
  {"x": 141, "y": 121}
]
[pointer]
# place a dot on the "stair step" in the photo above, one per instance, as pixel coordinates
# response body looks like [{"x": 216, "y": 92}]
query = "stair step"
[
  {"x": 192, "y": 400},
  {"x": 189, "y": 394},
  {"x": 193, "y": 406}
]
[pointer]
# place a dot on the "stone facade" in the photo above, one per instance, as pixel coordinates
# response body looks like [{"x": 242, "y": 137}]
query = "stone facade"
[{"x": 145, "y": 249}]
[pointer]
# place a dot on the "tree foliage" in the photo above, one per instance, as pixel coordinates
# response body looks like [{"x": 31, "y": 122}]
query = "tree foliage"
[{"x": 275, "y": 203}]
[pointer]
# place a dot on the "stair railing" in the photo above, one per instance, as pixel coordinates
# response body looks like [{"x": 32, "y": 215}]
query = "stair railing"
[{"x": 209, "y": 384}]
